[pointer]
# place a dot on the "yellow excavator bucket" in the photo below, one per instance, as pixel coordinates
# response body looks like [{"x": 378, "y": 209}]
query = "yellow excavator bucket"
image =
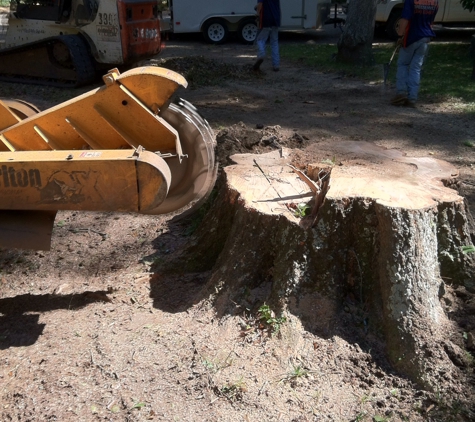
[{"x": 121, "y": 147}]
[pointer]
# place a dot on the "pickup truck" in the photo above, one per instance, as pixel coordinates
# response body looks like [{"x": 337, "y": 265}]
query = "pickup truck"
[{"x": 450, "y": 14}]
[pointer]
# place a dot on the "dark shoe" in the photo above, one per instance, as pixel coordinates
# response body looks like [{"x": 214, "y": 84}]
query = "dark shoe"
[
  {"x": 410, "y": 104},
  {"x": 276, "y": 69},
  {"x": 399, "y": 100},
  {"x": 257, "y": 65}
]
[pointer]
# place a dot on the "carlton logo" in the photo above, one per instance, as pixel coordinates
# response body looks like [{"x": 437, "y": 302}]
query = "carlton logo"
[{"x": 11, "y": 178}]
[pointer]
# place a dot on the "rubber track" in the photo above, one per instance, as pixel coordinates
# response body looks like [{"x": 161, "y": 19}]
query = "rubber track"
[
  {"x": 82, "y": 63},
  {"x": 82, "y": 60}
]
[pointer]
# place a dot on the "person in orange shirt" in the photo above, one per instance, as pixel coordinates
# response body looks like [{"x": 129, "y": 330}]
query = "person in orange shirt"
[{"x": 415, "y": 30}]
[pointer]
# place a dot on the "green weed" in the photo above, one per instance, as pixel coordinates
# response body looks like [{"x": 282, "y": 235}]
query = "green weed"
[
  {"x": 302, "y": 210},
  {"x": 233, "y": 391},
  {"x": 470, "y": 358},
  {"x": 359, "y": 417},
  {"x": 214, "y": 365},
  {"x": 468, "y": 249},
  {"x": 267, "y": 316},
  {"x": 115, "y": 408},
  {"x": 298, "y": 371},
  {"x": 365, "y": 398}
]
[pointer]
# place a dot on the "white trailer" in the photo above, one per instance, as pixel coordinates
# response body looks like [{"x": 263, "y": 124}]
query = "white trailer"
[{"x": 216, "y": 19}]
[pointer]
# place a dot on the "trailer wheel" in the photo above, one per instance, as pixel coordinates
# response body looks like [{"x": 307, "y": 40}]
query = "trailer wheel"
[
  {"x": 247, "y": 31},
  {"x": 392, "y": 24},
  {"x": 215, "y": 31}
]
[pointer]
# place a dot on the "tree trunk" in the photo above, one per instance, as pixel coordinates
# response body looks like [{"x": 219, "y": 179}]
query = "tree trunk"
[
  {"x": 388, "y": 233},
  {"x": 355, "y": 43}
]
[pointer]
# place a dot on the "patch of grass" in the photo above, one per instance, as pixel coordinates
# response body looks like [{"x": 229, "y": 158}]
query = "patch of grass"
[
  {"x": 469, "y": 143},
  {"x": 446, "y": 73},
  {"x": 298, "y": 371},
  {"x": 323, "y": 58}
]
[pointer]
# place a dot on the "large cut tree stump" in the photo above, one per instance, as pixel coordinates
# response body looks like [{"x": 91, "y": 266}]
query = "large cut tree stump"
[{"x": 386, "y": 240}]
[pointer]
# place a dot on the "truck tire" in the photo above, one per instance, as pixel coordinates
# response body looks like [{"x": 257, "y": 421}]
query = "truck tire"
[
  {"x": 247, "y": 31},
  {"x": 215, "y": 31},
  {"x": 392, "y": 23}
]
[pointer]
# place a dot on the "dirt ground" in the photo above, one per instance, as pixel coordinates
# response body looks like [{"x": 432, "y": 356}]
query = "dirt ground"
[{"x": 91, "y": 330}]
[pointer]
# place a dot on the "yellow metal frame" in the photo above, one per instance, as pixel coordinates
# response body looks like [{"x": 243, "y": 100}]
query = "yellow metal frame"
[
  {"x": 121, "y": 114},
  {"x": 114, "y": 180}
]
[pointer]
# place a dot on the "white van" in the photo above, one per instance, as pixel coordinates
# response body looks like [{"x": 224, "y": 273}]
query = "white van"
[{"x": 216, "y": 19}]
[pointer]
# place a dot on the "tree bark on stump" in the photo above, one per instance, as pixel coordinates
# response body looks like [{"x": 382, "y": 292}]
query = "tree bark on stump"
[
  {"x": 355, "y": 43},
  {"x": 386, "y": 239}
]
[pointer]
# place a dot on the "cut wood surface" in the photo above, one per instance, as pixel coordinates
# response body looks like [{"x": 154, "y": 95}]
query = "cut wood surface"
[{"x": 372, "y": 172}]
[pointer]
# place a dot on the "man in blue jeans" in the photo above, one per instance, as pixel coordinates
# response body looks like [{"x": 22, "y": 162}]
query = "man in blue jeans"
[
  {"x": 415, "y": 30},
  {"x": 269, "y": 22}
]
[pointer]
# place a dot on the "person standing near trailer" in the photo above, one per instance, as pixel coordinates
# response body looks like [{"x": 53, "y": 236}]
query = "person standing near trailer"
[
  {"x": 269, "y": 22},
  {"x": 415, "y": 30}
]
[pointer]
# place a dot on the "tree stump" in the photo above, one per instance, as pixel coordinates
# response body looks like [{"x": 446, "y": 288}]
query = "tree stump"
[{"x": 385, "y": 241}]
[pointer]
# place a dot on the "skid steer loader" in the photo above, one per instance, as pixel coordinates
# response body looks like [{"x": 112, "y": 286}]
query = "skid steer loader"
[
  {"x": 121, "y": 147},
  {"x": 71, "y": 42}
]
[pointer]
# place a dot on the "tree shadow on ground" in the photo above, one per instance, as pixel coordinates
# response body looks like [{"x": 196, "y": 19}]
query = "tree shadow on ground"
[
  {"x": 175, "y": 293},
  {"x": 19, "y": 328},
  {"x": 172, "y": 288}
]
